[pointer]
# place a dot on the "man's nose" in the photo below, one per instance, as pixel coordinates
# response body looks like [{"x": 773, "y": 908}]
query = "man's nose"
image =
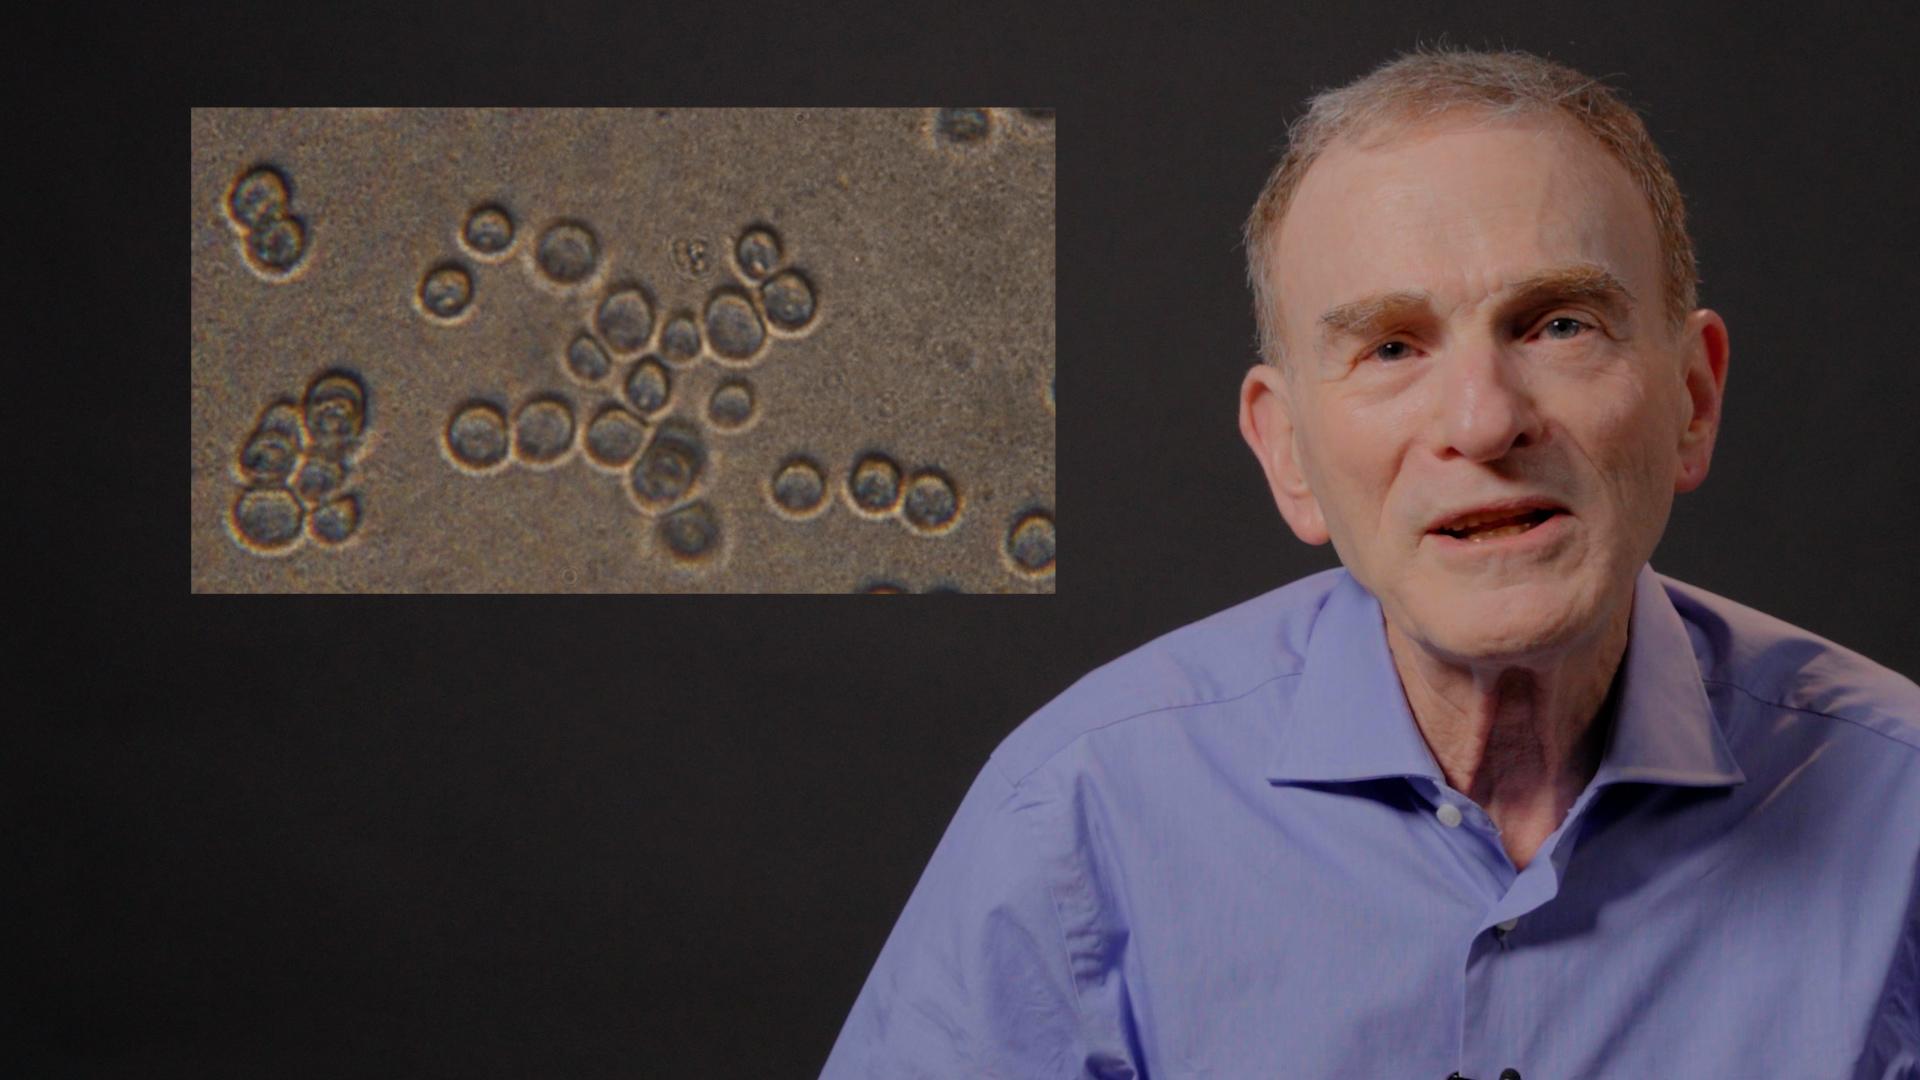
[{"x": 1485, "y": 411}]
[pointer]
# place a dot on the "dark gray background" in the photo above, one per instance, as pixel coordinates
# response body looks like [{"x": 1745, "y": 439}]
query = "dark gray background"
[{"x": 667, "y": 836}]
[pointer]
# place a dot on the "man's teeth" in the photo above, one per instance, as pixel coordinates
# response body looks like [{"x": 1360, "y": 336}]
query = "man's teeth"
[
  {"x": 1504, "y": 530},
  {"x": 1472, "y": 520},
  {"x": 1494, "y": 526}
]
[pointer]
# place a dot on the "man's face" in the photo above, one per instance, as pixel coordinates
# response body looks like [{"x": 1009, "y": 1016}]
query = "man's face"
[{"x": 1488, "y": 412}]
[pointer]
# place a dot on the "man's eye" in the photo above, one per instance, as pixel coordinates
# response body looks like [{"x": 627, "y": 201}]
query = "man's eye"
[
  {"x": 1563, "y": 328},
  {"x": 1392, "y": 350}
]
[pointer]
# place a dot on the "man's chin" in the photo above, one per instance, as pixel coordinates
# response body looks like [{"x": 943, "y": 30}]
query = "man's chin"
[{"x": 1516, "y": 624}]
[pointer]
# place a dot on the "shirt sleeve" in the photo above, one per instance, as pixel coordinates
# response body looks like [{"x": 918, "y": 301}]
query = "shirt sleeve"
[{"x": 976, "y": 980}]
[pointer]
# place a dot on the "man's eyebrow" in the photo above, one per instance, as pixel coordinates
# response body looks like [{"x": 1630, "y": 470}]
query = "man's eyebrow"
[
  {"x": 1587, "y": 283},
  {"x": 1361, "y": 317},
  {"x": 1583, "y": 283}
]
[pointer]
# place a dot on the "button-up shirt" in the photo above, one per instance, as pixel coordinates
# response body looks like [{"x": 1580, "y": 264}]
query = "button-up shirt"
[{"x": 1231, "y": 854}]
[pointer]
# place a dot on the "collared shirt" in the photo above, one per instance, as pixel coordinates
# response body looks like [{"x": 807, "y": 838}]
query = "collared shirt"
[{"x": 1230, "y": 854}]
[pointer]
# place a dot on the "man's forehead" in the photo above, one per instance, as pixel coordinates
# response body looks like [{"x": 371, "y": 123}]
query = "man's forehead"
[
  {"x": 1548, "y": 135},
  {"x": 1461, "y": 206}
]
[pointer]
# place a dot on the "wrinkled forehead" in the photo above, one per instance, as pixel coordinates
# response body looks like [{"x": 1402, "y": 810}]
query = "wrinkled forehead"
[{"x": 1457, "y": 207}]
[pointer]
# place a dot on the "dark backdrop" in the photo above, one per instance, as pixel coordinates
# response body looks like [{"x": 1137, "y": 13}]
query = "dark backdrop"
[{"x": 666, "y": 836}]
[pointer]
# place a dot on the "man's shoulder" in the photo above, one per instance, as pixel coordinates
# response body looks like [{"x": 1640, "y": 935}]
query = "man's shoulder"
[
  {"x": 1221, "y": 658},
  {"x": 1776, "y": 663}
]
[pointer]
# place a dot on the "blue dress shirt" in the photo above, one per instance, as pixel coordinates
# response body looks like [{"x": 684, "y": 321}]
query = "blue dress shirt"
[{"x": 1230, "y": 855}]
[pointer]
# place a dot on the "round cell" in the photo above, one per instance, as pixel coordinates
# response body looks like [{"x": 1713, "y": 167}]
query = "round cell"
[
  {"x": 734, "y": 327},
  {"x": 586, "y": 360},
  {"x": 930, "y": 505},
  {"x": 883, "y": 587},
  {"x": 1030, "y": 543},
  {"x": 961, "y": 125},
  {"x": 799, "y": 487},
  {"x": 759, "y": 253},
  {"x": 267, "y": 519},
  {"x": 446, "y": 291},
  {"x": 542, "y": 430},
  {"x": 268, "y": 457},
  {"x": 668, "y": 468},
  {"x": 614, "y": 437},
  {"x": 874, "y": 484},
  {"x": 258, "y": 198},
  {"x": 789, "y": 300},
  {"x": 691, "y": 532},
  {"x": 334, "y": 522},
  {"x": 489, "y": 230},
  {"x": 317, "y": 480},
  {"x": 731, "y": 405},
  {"x": 477, "y": 436},
  {"x": 277, "y": 246},
  {"x": 649, "y": 386},
  {"x": 626, "y": 320},
  {"x": 680, "y": 339},
  {"x": 285, "y": 416},
  {"x": 274, "y": 448},
  {"x": 336, "y": 409},
  {"x": 567, "y": 252}
]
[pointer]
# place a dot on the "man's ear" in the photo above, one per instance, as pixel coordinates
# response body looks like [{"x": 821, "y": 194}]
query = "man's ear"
[
  {"x": 1704, "y": 346},
  {"x": 1266, "y": 421}
]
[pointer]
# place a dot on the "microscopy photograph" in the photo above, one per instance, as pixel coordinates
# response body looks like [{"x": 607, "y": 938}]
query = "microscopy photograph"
[{"x": 623, "y": 350}]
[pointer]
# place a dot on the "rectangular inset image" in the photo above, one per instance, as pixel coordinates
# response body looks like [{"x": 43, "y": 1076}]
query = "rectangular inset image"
[{"x": 627, "y": 350}]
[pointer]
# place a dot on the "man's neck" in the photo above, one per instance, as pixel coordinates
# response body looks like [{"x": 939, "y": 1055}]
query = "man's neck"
[{"x": 1521, "y": 740}]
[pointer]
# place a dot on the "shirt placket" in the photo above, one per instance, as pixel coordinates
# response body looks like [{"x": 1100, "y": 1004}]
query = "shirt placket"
[{"x": 1525, "y": 891}]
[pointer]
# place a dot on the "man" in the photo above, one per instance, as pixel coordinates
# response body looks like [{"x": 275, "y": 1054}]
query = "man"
[{"x": 1494, "y": 798}]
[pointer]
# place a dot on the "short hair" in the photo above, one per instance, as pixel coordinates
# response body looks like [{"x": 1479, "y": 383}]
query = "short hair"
[{"x": 1430, "y": 82}]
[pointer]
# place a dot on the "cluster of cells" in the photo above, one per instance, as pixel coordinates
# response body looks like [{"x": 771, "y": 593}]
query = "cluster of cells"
[
  {"x": 446, "y": 290},
  {"x": 876, "y": 488},
  {"x": 632, "y": 357},
  {"x": 1027, "y": 551},
  {"x": 296, "y": 467},
  {"x": 260, "y": 207},
  {"x": 629, "y": 355},
  {"x": 926, "y": 501}
]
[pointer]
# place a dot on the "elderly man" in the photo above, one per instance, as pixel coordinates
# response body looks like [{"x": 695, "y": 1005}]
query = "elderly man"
[{"x": 1494, "y": 798}]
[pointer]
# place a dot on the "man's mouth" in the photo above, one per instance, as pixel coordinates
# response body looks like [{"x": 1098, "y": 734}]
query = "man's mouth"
[{"x": 1492, "y": 524}]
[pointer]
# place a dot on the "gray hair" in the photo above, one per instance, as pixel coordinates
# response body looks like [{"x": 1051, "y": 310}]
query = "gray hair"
[{"x": 1430, "y": 82}]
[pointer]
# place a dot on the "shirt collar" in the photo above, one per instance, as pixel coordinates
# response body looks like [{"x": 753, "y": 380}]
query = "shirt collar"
[
  {"x": 1350, "y": 717},
  {"x": 1351, "y": 721},
  {"x": 1664, "y": 732}
]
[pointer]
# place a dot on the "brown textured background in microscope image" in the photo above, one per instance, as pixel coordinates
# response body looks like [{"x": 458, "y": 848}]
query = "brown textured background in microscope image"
[{"x": 645, "y": 350}]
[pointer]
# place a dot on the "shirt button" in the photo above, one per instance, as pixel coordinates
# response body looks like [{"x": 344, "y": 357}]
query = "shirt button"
[
  {"x": 1449, "y": 815},
  {"x": 1508, "y": 925}
]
